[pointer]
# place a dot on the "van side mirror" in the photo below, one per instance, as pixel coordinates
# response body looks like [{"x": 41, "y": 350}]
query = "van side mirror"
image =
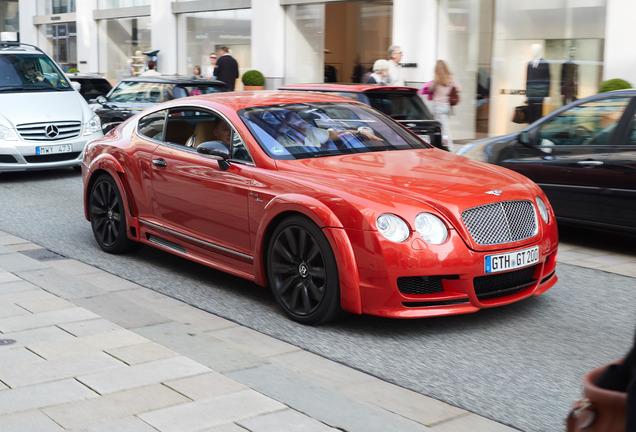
[{"x": 524, "y": 137}]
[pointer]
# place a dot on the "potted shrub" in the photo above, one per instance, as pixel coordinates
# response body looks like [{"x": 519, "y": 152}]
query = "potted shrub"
[
  {"x": 614, "y": 84},
  {"x": 253, "y": 80}
]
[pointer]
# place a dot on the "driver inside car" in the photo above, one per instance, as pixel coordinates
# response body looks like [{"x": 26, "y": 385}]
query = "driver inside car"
[{"x": 30, "y": 75}]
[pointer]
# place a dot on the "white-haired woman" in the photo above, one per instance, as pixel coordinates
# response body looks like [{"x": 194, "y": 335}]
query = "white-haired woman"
[{"x": 380, "y": 72}]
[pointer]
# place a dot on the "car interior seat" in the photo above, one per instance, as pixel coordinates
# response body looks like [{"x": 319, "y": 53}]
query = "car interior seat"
[
  {"x": 203, "y": 131},
  {"x": 178, "y": 131}
]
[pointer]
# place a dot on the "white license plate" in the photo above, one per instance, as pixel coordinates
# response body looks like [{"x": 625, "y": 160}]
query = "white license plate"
[
  {"x": 60, "y": 148},
  {"x": 426, "y": 138},
  {"x": 511, "y": 260}
]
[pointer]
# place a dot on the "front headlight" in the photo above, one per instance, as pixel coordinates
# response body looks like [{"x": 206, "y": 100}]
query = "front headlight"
[
  {"x": 543, "y": 210},
  {"x": 93, "y": 125},
  {"x": 392, "y": 227},
  {"x": 431, "y": 228},
  {"x": 7, "y": 134}
]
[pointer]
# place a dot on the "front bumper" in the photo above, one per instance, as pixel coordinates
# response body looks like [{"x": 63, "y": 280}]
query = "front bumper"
[
  {"x": 414, "y": 279},
  {"x": 22, "y": 156}
]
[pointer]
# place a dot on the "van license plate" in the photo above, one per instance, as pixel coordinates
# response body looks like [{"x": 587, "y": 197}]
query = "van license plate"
[
  {"x": 426, "y": 138},
  {"x": 512, "y": 260},
  {"x": 60, "y": 148}
]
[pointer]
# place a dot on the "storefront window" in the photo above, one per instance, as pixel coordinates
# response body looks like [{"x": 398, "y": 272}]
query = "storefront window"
[
  {"x": 304, "y": 43},
  {"x": 126, "y": 40},
  {"x": 53, "y": 7},
  {"x": 207, "y": 32},
  {"x": 9, "y": 21},
  {"x": 61, "y": 44},
  {"x": 546, "y": 53}
]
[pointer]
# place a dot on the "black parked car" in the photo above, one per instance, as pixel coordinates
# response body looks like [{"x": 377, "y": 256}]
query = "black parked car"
[
  {"x": 400, "y": 103},
  {"x": 93, "y": 85},
  {"x": 135, "y": 94},
  {"x": 582, "y": 155}
]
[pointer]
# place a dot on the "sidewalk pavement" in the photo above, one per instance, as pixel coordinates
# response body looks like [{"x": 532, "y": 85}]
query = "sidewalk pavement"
[{"x": 84, "y": 350}]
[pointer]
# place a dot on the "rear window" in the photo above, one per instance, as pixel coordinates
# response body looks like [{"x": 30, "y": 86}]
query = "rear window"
[
  {"x": 400, "y": 106},
  {"x": 157, "y": 92}
]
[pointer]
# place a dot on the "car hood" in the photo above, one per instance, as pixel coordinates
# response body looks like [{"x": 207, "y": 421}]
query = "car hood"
[
  {"x": 431, "y": 176},
  {"x": 44, "y": 107}
]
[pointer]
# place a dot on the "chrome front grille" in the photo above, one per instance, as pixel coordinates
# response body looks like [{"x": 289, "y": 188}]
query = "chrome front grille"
[
  {"x": 501, "y": 222},
  {"x": 49, "y": 131}
]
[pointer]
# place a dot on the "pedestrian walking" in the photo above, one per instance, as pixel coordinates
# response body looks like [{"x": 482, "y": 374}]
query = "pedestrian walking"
[
  {"x": 443, "y": 87},
  {"x": 396, "y": 77},
  {"x": 380, "y": 72},
  {"x": 227, "y": 69}
]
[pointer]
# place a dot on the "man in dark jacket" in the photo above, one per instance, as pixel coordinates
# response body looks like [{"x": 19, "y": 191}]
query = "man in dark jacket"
[{"x": 227, "y": 69}]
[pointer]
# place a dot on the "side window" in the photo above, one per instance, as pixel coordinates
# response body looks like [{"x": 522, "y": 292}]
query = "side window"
[
  {"x": 151, "y": 126},
  {"x": 239, "y": 149},
  {"x": 588, "y": 124},
  {"x": 631, "y": 139}
]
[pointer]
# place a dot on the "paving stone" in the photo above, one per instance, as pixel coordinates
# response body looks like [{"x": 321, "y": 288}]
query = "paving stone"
[
  {"x": 148, "y": 298},
  {"x": 331, "y": 407},
  {"x": 27, "y": 337},
  {"x": 120, "y": 311},
  {"x": 9, "y": 289},
  {"x": 44, "y": 319},
  {"x": 84, "y": 413},
  {"x": 127, "y": 424},
  {"x": 141, "y": 353},
  {"x": 227, "y": 427},
  {"x": 29, "y": 421},
  {"x": 212, "y": 412},
  {"x": 6, "y": 276},
  {"x": 9, "y": 239},
  {"x": 89, "y": 327},
  {"x": 71, "y": 267},
  {"x": 10, "y": 356},
  {"x": 60, "y": 284},
  {"x": 107, "y": 281},
  {"x": 45, "y": 304},
  {"x": 16, "y": 262},
  {"x": 407, "y": 403},
  {"x": 205, "y": 386},
  {"x": 11, "y": 310},
  {"x": 258, "y": 343},
  {"x": 110, "y": 381},
  {"x": 472, "y": 423},
  {"x": 203, "y": 347},
  {"x": 43, "y": 395},
  {"x": 87, "y": 344},
  {"x": 286, "y": 420},
  {"x": 190, "y": 315},
  {"x": 55, "y": 370}
]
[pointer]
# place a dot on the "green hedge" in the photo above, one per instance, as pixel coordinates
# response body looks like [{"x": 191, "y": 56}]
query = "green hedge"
[
  {"x": 614, "y": 84},
  {"x": 253, "y": 78}
]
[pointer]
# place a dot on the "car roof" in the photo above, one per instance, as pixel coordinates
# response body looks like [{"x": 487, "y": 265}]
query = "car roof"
[
  {"x": 350, "y": 87},
  {"x": 173, "y": 79},
  {"x": 84, "y": 75},
  {"x": 246, "y": 99},
  {"x": 19, "y": 47}
]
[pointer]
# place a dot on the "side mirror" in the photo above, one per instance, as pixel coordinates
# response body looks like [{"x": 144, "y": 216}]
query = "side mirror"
[
  {"x": 77, "y": 86},
  {"x": 216, "y": 150},
  {"x": 524, "y": 137},
  {"x": 101, "y": 100}
]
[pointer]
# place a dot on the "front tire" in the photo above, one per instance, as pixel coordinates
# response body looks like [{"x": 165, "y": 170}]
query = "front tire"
[
  {"x": 302, "y": 272},
  {"x": 108, "y": 217}
]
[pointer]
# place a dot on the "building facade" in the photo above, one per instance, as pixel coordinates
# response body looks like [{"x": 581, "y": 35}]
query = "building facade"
[{"x": 490, "y": 45}]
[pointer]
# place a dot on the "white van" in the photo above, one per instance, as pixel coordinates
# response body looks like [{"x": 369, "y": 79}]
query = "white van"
[{"x": 44, "y": 121}]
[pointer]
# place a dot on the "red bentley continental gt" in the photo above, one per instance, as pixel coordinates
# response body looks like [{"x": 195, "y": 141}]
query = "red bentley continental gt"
[{"x": 330, "y": 203}]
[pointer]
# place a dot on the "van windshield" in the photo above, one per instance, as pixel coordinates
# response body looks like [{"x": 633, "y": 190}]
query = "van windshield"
[{"x": 31, "y": 72}]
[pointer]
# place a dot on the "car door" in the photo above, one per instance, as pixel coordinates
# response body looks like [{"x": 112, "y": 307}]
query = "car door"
[
  {"x": 569, "y": 157},
  {"x": 196, "y": 200},
  {"x": 620, "y": 203}
]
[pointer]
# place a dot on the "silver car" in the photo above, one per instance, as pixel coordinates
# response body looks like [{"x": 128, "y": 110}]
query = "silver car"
[{"x": 44, "y": 121}]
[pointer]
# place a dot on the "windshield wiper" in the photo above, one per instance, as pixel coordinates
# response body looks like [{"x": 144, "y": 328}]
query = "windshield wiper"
[{"x": 10, "y": 89}]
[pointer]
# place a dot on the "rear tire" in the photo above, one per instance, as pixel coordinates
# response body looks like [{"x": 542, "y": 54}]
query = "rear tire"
[
  {"x": 302, "y": 272},
  {"x": 108, "y": 218}
]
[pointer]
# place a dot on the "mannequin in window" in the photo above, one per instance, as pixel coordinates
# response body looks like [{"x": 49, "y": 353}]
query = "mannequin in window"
[
  {"x": 569, "y": 78},
  {"x": 537, "y": 83}
]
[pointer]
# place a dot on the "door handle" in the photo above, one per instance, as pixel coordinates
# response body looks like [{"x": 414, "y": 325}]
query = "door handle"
[
  {"x": 159, "y": 163},
  {"x": 590, "y": 163}
]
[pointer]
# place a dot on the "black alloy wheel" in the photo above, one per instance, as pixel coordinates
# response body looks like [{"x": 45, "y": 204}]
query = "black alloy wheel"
[
  {"x": 302, "y": 272},
  {"x": 108, "y": 219}
]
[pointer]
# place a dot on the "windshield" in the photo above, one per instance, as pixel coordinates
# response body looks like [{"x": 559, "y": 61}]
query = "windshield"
[
  {"x": 157, "y": 92},
  {"x": 32, "y": 72},
  {"x": 299, "y": 131}
]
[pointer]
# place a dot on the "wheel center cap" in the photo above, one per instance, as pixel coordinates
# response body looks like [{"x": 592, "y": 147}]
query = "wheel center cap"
[
  {"x": 303, "y": 270},
  {"x": 110, "y": 214}
]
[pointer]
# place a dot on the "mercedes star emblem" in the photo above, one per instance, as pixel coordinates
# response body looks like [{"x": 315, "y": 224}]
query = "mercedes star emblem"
[{"x": 51, "y": 131}]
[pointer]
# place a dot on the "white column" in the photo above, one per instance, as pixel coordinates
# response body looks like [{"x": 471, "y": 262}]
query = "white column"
[
  {"x": 619, "y": 40},
  {"x": 87, "y": 52},
  {"x": 28, "y": 31},
  {"x": 164, "y": 36},
  {"x": 415, "y": 30},
  {"x": 268, "y": 40}
]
